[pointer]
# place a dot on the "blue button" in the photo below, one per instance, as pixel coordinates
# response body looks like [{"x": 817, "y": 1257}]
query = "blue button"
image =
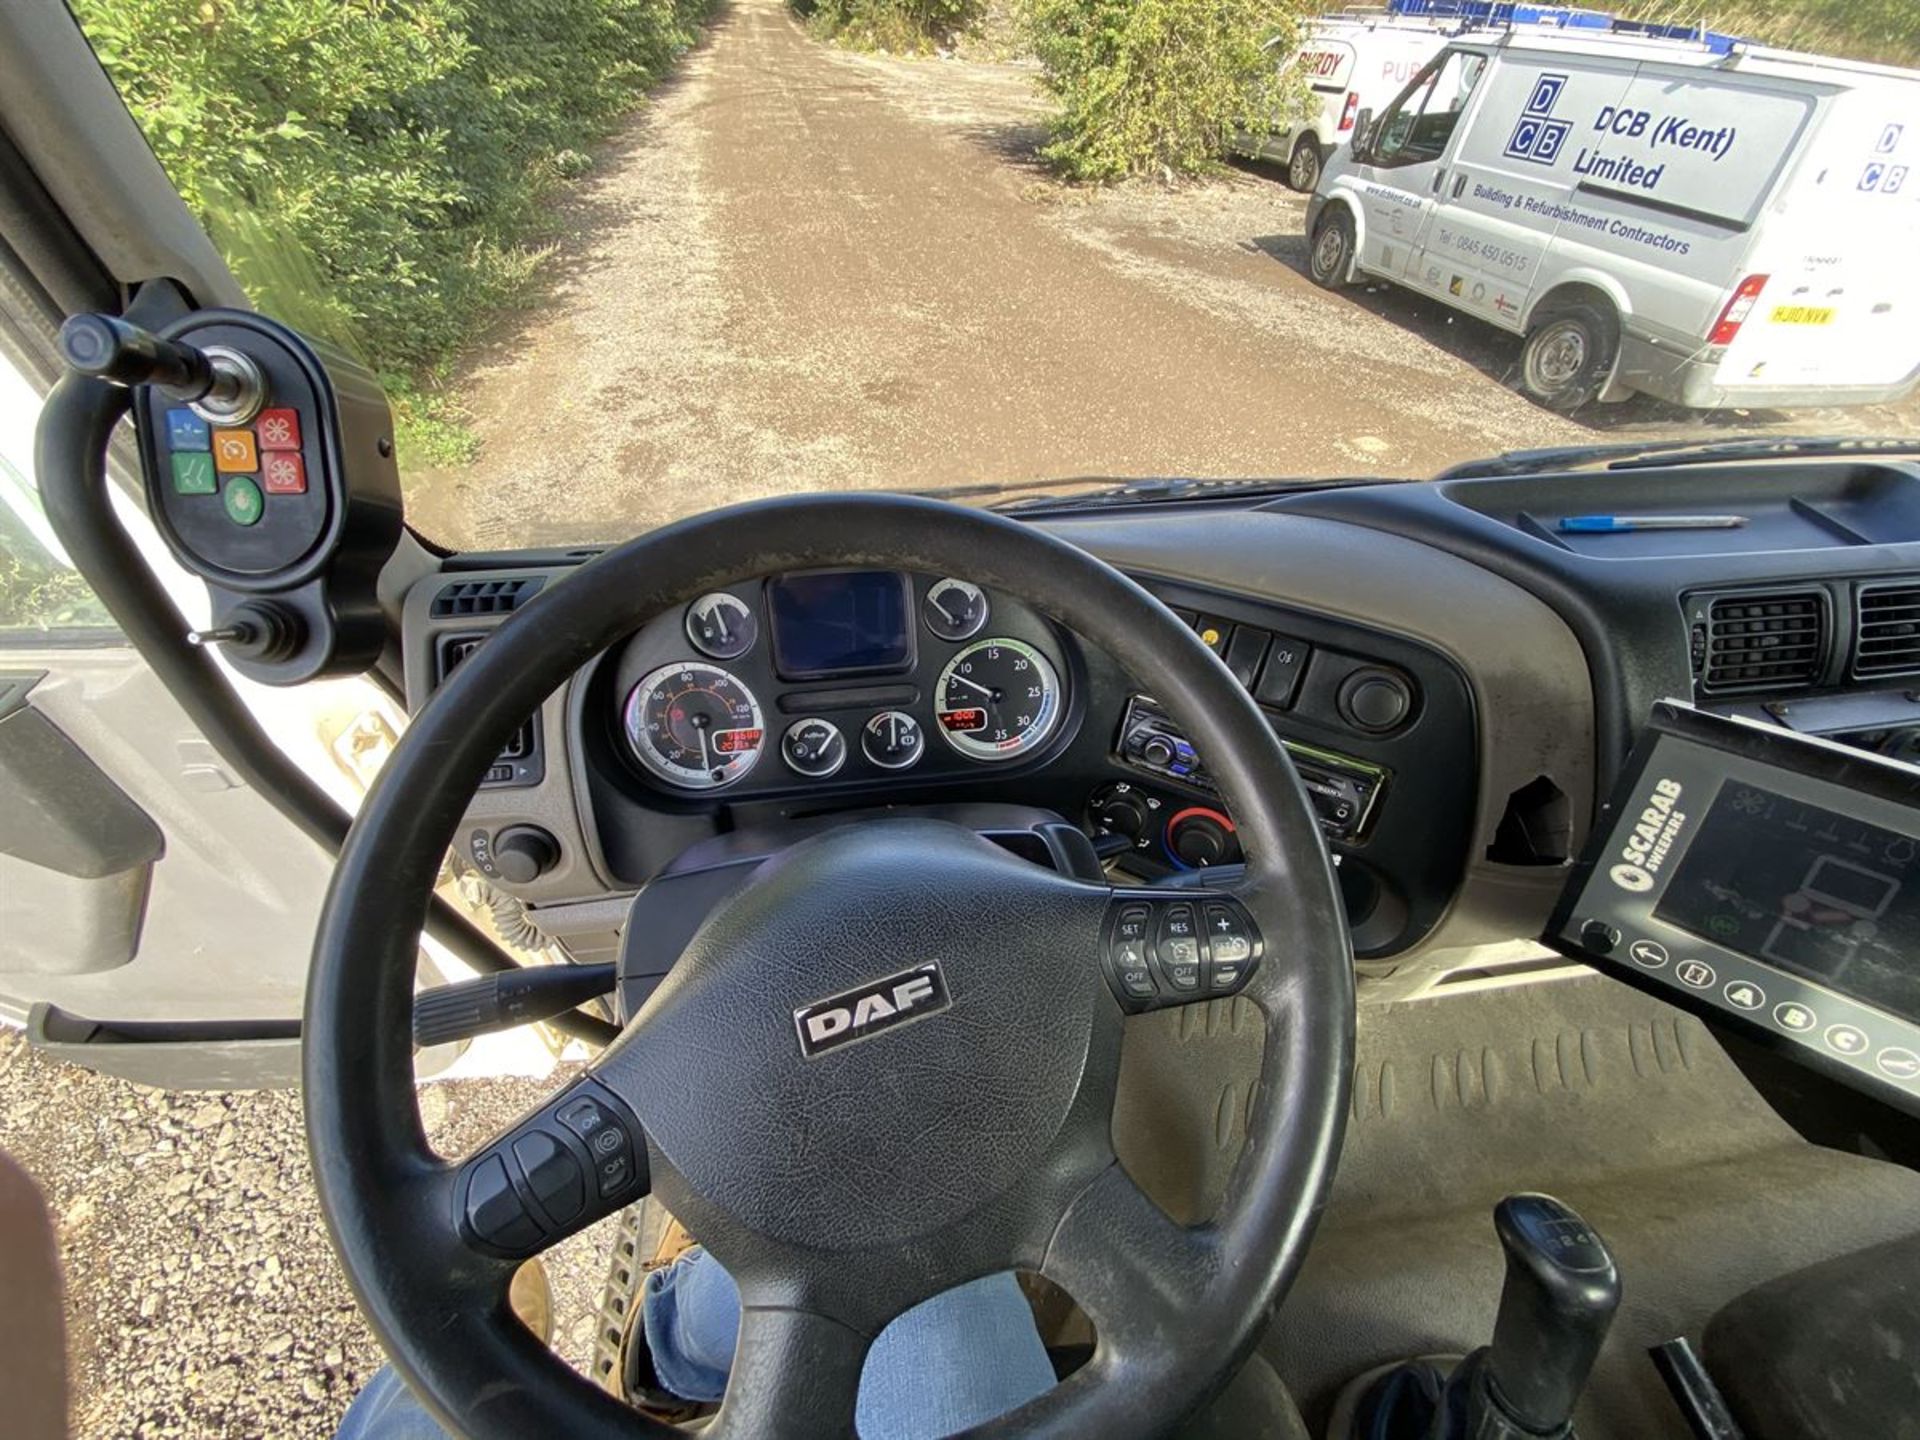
[{"x": 187, "y": 431}]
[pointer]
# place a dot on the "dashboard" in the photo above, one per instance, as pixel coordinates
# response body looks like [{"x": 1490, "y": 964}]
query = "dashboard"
[{"x": 1459, "y": 685}]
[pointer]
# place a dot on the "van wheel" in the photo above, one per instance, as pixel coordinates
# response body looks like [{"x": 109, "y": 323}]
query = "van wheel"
[
  {"x": 1567, "y": 357},
  {"x": 1330, "y": 256},
  {"x": 1303, "y": 167}
]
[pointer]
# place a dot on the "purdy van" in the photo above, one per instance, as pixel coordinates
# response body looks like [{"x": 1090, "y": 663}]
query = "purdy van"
[{"x": 1717, "y": 225}]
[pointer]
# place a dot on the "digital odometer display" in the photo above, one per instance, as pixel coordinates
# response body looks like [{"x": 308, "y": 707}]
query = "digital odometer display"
[
  {"x": 840, "y": 622},
  {"x": 1829, "y": 898}
]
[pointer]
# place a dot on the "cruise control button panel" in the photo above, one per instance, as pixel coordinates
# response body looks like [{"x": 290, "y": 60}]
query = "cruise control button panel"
[
  {"x": 1172, "y": 948},
  {"x": 579, "y": 1157}
]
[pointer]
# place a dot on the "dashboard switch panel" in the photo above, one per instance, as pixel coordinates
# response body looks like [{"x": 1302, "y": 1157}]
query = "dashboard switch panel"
[{"x": 1163, "y": 951}]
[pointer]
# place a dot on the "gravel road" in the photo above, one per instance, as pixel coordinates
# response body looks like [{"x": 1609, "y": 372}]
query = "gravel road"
[
  {"x": 806, "y": 269},
  {"x": 202, "y": 1297}
]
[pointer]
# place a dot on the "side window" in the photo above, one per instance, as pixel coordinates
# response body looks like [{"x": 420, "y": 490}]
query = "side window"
[
  {"x": 1418, "y": 125},
  {"x": 40, "y": 591}
]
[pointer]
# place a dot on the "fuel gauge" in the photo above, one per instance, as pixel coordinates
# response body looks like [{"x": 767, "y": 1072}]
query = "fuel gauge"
[{"x": 722, "y": 625}]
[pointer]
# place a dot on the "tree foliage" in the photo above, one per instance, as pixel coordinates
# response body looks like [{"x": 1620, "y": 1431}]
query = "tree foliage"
[
  {"x": 903, "y": 26},
  {"x": 1161, "y": 85},
  {"x": 376, "y": 170}
]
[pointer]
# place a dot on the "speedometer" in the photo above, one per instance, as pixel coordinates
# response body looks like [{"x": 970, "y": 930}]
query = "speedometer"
[
  {"x": 997, "y": 699},
  {"x": 694, "y": 725}
]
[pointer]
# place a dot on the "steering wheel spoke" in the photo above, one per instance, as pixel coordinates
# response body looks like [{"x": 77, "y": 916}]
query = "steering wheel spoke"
[
  {"x": 1134, "y": 1270},
  {"x": 1166, "y": 948},
  {"x": 795, "y": 1375},
  {"x": 577, "y": 1159}
]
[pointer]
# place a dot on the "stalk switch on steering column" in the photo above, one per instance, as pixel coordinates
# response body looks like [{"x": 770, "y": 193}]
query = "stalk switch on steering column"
[{"x": 223, "y": 385}]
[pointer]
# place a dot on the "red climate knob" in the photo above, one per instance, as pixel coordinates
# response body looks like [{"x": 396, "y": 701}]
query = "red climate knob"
[{"x": 1198, "y": 837}]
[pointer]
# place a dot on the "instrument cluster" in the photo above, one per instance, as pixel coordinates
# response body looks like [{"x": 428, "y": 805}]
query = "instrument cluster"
[{"x": 814, "y": 675}]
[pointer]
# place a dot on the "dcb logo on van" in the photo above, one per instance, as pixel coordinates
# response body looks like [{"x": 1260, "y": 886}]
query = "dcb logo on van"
[{"x": 1537, "y": 136}]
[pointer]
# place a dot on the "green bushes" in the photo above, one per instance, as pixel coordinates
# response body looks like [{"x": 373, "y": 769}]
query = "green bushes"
[
  {"x": 376, "y": 169},
  {"x": 1160, "y": 85},
  {"x": 904, "y": 26}
]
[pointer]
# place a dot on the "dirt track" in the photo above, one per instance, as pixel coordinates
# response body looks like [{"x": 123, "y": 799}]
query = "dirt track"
[{"x": 806, "y": 269}]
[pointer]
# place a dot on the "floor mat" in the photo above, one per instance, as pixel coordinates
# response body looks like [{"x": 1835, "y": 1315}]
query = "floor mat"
[{"x": 1624, "y": 1107}]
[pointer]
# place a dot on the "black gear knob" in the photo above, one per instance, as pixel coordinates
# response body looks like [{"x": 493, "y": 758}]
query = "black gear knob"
[{"x": 1556, "y": 1305}]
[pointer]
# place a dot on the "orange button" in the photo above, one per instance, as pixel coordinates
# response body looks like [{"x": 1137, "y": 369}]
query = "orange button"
[
  {"x": 282, "y": 473},
  {"x": 233, "y": 451}
]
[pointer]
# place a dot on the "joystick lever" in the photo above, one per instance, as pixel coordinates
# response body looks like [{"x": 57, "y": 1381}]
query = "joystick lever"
[
  {"x": 224, "y": 385},
  {"x": 1556, "y": 1305}
]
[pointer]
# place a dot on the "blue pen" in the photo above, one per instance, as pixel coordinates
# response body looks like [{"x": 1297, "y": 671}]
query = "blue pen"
[{"x": 1610, "y": 524}]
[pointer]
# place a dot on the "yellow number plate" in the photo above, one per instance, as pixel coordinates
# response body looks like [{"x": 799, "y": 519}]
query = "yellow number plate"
[{"x": 1802, "y": 315}]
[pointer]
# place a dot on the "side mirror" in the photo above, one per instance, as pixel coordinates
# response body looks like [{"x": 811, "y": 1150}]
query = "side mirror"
[{"x": 1363, "y": 134}]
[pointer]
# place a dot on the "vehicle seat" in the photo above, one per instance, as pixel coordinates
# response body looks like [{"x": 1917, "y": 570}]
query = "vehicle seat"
[{"x": 1831, "y": 1352}]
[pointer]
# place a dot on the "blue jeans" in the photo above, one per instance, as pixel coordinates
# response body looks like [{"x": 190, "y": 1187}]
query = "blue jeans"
[{"x": 956, "y": 1360}]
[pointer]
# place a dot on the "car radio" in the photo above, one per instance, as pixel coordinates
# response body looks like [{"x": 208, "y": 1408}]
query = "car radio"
[
  {"x": 1765, "y": 877},
  {"x": 1343, "y": 790}
]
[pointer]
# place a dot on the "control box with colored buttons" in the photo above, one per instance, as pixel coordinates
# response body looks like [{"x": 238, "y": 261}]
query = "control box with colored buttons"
[
  {"x": 1164, "y": 949},
  {"x": 287, "y": 499}
]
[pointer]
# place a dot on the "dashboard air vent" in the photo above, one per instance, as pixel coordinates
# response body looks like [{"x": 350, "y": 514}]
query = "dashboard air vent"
[
  {"x": 1886, "y": 635},
  {"x": 1764, "y": 641},
  {"x": 485, "y": 597}
]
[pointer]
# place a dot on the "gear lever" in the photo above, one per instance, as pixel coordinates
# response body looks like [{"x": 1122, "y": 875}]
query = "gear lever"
[{"x": 1556, "y": 1304}]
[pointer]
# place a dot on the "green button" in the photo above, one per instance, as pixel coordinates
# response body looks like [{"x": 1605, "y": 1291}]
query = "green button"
[
  {"x": 242, "y": 499},
  {"x": 193, "y": 473}
]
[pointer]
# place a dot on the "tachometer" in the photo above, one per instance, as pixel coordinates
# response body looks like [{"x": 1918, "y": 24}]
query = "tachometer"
[
  {"x": 997, "y": 699},
  {"x": 694, "y": 725}
]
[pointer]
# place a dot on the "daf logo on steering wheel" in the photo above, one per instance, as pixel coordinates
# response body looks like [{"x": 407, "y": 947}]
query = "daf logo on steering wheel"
[{"x": 863, "y": 1012}]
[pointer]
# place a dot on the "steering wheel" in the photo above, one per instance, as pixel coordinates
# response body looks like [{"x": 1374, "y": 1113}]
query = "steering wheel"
[{"x": 839, "y": 1187}]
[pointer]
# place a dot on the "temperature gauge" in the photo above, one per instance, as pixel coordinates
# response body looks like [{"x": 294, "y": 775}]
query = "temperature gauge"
[
  {"x": 893, "y": 740},
  {"x": 722, "y": 625},
  {"x": 954, "y": 609},
  {"x": 814, "y": 748}
]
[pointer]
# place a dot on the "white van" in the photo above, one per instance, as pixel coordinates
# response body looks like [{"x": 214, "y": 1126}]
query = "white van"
[
  {"x": 1715, "y": 225},
  {"x": 1350, "y": 64}
]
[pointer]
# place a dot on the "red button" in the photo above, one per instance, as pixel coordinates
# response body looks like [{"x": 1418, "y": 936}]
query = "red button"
[
  {"x": 283, "y": 474},
  {"x": 278, "y": 429}
]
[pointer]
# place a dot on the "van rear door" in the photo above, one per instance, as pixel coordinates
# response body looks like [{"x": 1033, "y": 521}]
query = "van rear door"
[{"x": 1841, "y": 305}]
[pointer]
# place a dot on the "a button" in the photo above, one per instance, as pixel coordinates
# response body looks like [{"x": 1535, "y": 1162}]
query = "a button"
[
  {"x": 1696, "y": 973},
  {"x": 1846, "y": 1039},
  {"x": 1743, "y": 995},
  {"x": 1215, "y": 632},
  {"x": 1897, "y": 1062},
  {"x": 495, "y": 1210},
  {"x": 193, "y": 473},
  {"x": 613, "y": 1172},
  {"x": 1375, "y": 700},
  {"x": 553, "y": 1175},
  {"x": 1129, "y": 954},
  {"x": 1179, "y": 948},
  {"x": 584, "y": 1117},
  {"x": 283, "y": 474},
  {"x": 1599, "y": 937},
  {"x": 234, "y": 452},
  {"x": 1650, "y": 953},
  {"x": 1227, "y": 940},
  {"x": 243, "y": 502},
  {"x": 1137, "y": 983},
  {"x": 1245, "y": 651},
  {"x": 1280, "y": 676},
  {"x": 1187, "y": 618},
  {"x": 1797, "y": 1018},
  {"x": 1222, "y": 978},
  {"x": 187, "y": 431},
  {"x": 278, "y": 429},
  {"x": 1132, "y": 924}
]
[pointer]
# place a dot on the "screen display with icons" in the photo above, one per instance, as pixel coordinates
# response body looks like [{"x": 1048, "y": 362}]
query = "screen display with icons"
[
  {"x": 840, "y": 622},
  {"x": 1832, "y": 899}
]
